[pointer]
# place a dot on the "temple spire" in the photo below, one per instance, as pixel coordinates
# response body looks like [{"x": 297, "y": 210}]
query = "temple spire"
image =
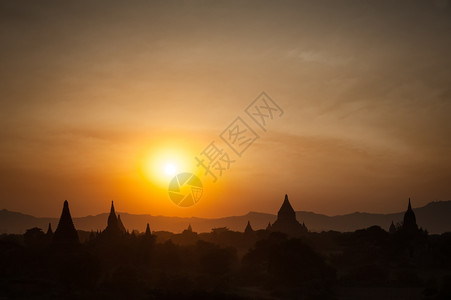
[
  {"x": 410, "y": 223},
  {"x": 286, "y": 210},
  {"x": 286, "y": 199},
  {"x": 248, "y": 228},
  {"x": 392, "y": 228},
  {"x": 66, "y": 232},
  {"x": 147, "y": 230},
  {"x": 286, "y": 220},
  {"x": 112, "y": 219},
  {"x": 49, "y": 229},
  {"x": 115, "y": 227}
]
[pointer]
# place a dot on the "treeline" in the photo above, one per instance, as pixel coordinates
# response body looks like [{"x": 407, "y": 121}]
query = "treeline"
[{"x": 223, "y": 265}]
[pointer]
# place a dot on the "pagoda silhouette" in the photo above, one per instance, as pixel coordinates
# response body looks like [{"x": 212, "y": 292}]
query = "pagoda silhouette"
[
  {"x": 147, "y": 232},
  {"x": 392, "y": 228},
  {"x": 409, "y": 224},
  {"x": 115, "y": 227},
  {"x": 286, "y": 221},
  {"x": 49, "y": 230},
  {"x": 65, "y": 232},
  {"x": 189, "y": 231},
  {"x": 248, "y": 230}
]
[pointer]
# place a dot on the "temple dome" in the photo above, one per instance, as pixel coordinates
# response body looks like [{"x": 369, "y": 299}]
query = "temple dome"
[{"x": 286, "y": 221}]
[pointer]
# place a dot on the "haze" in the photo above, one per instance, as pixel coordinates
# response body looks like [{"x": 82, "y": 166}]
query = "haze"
[{"x": 87, "y": 89}]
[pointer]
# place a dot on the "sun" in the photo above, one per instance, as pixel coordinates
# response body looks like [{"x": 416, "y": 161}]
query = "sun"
[
  {"x": 170, "y": 169},
  {"x": 164, "y": 157},
  {"x": 167, "y": 159},
  {"x": 161, "y": 163}
]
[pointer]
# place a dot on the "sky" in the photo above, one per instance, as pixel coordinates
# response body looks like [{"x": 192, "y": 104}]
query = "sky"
[{"x": 98, "y": 97}]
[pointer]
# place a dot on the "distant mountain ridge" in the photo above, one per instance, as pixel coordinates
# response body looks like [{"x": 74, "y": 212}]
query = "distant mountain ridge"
[{"x": 434, "y": 217}]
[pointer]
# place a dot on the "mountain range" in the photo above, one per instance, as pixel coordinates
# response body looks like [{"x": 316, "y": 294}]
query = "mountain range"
[{"x": 435, "y": 217}]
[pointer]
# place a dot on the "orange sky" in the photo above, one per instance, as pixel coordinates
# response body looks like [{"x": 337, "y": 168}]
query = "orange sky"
[{"x": 89, "y": 92}]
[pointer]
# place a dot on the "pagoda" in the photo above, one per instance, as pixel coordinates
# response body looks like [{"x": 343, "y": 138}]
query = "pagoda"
[
  {"x": 147, "y": 233},
  {"x": 66, "y": 232},
  {"x": 409, "y": 224},
  {"x": 114, "y": 227},
  {"x": 392, "y": 228},
  {"x": 248, "y": 229},
  {"x": 286, "y": 221},
  {"x": 49, "y": 230}
]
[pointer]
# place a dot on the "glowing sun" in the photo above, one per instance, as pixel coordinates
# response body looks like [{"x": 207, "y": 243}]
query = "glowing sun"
[
  {"x": 165, "y": 157},
  {"x": 161, "y": 164},
  {"x": 170, "y": 169}
]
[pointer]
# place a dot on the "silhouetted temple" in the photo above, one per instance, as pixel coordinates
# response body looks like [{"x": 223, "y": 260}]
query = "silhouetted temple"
[
  {"x": 392, "y": 228},
  {"x": 187, "y": 236},
  {"x": 147, "y": 230},
  {"x": 189, "y": 231},
  {"x": 286, "y": 221},
  {"x": 112, "y": 219},
  {"x": 115, "y": 227},
  {"x": 49, "y": 230},
  {"x": 410, "y": 222},
  {"x": 248, "y": 228},
  {"x": 65, "y": 232}
]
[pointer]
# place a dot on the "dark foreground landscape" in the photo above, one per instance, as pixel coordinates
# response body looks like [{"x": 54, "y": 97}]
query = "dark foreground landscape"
[
  {"x": 284, "y": 261},
  {"x": 434, "y": 217}
]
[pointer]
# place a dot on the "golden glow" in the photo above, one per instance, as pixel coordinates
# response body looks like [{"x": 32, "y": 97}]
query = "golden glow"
[
  {"x": 147, "y": 185},
  {"x": 165, "y": 158},
  {"x": 170, "y": 169},
  {"x": 163, "y": 164}
]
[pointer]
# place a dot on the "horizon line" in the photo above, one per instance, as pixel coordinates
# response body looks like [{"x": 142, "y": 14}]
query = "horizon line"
[{"x": 240, "y": 215}]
